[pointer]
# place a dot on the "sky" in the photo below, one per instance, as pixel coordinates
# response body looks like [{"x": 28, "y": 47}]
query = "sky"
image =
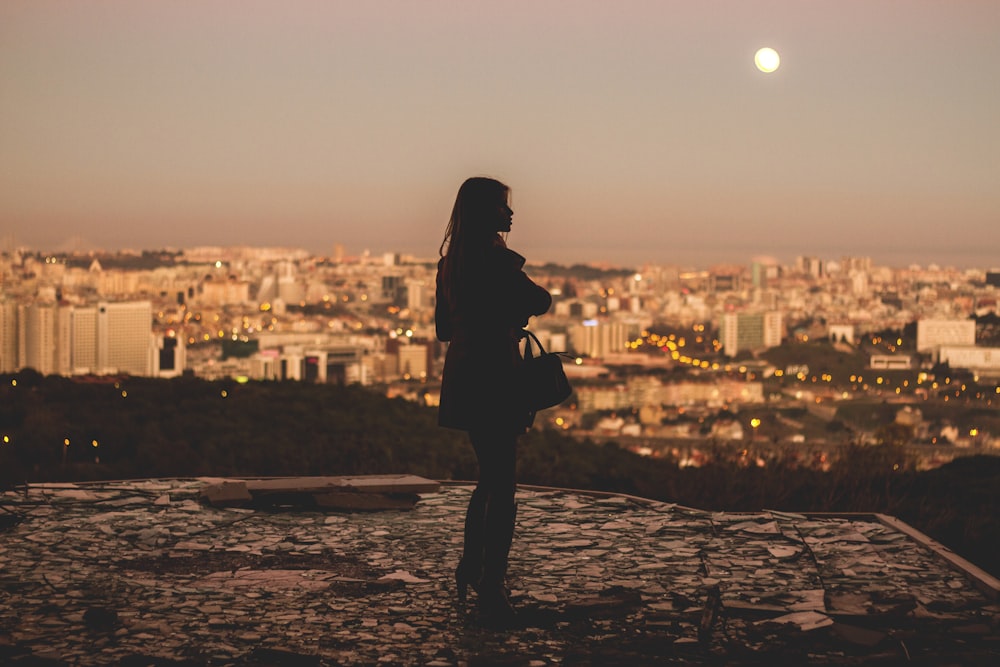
[{"x": 631, "y": 131}]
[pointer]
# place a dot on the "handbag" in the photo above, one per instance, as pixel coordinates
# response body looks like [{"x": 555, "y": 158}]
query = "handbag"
[{"x": 543, "y": 380}]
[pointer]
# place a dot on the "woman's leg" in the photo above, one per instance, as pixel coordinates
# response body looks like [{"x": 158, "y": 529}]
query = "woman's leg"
[
  {"x": 495, "y": 507},
  {"x": 470, "y": 569}
]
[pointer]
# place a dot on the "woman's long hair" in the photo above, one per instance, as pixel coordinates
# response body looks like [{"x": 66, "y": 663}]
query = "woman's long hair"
[{"x": 471, "y": 229}]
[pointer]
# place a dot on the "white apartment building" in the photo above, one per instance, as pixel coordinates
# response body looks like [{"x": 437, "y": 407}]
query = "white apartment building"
[
  {"x": 36, "y": 337},
  {"x": 413, "y": 360},
  {"x": 125, "y": 342},
  {"x": 8, "y": 336},
  {"x": 750, "y": 331},
  {"x": 934, "y": 333},
  {"x": 224, "y": 292},
  {"x": 713, "y": 394},
  {"x": 982, "y": 359},
  {"x": 598, "y": 339},
  {"x": 83, "y": 334},
  {"x": 71, "y": 340}
]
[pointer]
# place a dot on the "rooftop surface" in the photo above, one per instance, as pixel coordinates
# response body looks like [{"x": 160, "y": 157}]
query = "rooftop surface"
[{"x": 142, "y": 573}]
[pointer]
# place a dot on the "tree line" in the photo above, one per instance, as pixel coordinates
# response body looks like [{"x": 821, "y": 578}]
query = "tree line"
[{"x": 60, "y": 429}]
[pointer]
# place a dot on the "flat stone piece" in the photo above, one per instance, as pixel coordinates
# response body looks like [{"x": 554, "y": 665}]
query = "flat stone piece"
[
  {"x": 360, "y": 483},
  {"x": 365, "y": 492},
  {"x": 351, "y": 500},
  {"x": 227, "y": 492}
]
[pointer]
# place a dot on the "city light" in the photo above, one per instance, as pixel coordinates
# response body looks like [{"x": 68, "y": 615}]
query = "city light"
[{"x": 368, "y": 312}]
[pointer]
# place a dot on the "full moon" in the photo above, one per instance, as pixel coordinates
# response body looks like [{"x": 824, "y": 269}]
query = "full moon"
[{"x": 766, "y": 60}]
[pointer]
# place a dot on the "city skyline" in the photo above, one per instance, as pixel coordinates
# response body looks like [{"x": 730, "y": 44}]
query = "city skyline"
[{"x": 633, "y": 133}]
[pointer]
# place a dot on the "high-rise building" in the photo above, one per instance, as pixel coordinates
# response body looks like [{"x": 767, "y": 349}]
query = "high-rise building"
[
  {"x": 598, "y": 339},
  {"x": 64, "y": 340},
  {"x": 750, "y": 331},
  {"x": 812, "y": 266},
  {"x": 37, "y": 337},
  {"x": 125, "y": 342},
  {"x": 8, "y": 336},
  {"x": 83, "y": 353}
]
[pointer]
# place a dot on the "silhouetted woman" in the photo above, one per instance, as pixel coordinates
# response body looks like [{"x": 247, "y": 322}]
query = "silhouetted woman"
[{"x": 484, "y": 298}]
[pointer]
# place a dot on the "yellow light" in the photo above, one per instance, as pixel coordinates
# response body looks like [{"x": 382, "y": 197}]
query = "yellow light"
[
  {"x": 93, "y": 443},
  {"x": 13, "y": 383},
  {"x": 6, "y": 439},
  {"x": 973, "y": 432},
  {"x": 224, "y": 393},
  {"x": 65, "y": 442},
  {"x": 559, "y": 421},
  {"x": 755, "y": 422},
  {"x": 578, "y": 361},
  {"x": 124, "y": 394}
]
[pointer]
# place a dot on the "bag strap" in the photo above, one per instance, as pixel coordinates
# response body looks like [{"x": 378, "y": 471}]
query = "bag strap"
[{"x": 528, "y": 337}]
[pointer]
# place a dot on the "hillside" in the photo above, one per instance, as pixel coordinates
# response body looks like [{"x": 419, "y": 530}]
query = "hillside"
[{"x": 186, "y": 427}]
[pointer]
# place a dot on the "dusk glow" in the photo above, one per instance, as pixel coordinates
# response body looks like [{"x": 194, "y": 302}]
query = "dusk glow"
[{"x": 630, "y": 131}]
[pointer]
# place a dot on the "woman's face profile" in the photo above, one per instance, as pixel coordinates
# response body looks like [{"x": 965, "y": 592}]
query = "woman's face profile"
[{"x": 505, "y": 215}]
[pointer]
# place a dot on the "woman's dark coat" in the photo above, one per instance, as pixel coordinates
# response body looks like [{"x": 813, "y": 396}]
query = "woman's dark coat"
[{"x": 482, "y": 317}]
